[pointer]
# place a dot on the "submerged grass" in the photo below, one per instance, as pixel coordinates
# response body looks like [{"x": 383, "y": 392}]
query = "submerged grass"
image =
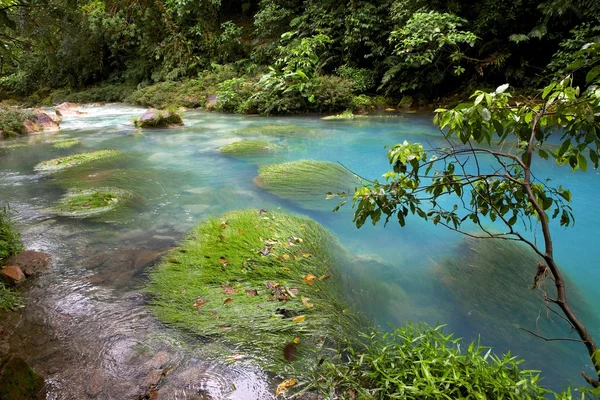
[
  {"x": 275, "y": 130},
  {"x": 306, "y": 182},
  {"x": 76, "y": 160},
  {"x": 86, "y": 203},
  {"x": 249, "y": 148},
  {"x": 66, "y": 144},
  {"x": 266, "y": 283},
  {"x": 10, "y": 299}
]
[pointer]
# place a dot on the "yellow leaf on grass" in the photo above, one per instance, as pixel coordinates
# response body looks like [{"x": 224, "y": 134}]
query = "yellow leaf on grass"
[
  {"x": 299, "y": 318},
  {"x": 309, "y": 278},
  {"x": 286, "y": 257},
  {"x": 283, "y": 386},
  {"x": 305, "y": 302},
  {"x": 297, "y": 340}
]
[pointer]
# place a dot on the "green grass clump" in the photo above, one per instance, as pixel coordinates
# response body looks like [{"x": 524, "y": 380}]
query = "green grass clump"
[
  {"x": 85, "y": 203},
  {"x": 10, "y": 239},
  {"x": 258, "y": 281},
  {"x": 10, "y": 299},
  {"x": 11, "y": 121},
  {"x": 306, "y": 182},
  {"x": 346, "y": 115},
  {"x": 66, "y": 144},
  {"x": 76, "y": 160},
  {"x": 249, "y": 147},
  {"x": 275, "y": 130},
  {"x": 419, "y": 362}
]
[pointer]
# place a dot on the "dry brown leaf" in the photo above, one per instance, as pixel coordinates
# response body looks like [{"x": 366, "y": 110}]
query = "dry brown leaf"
[
  {"x": 174, "y": 261},
  {"x": 228, "y": 300},
  {"x": 223, "y": 261},
  {"x": 224, "y": 224},
  {"x": 251, "y": 292},
  {"x": 299, "y": 318},
  {"x": 283, "y": 386},
  {"x": 309, "y": 278},
  {"x": 199, "y": 303},
  {"x": 289, "y": 352},
  {"x": 228, "y": 290},
  {"x": 305, "y": 302}
]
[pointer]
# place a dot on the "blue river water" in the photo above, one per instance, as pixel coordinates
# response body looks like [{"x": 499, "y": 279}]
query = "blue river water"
[{"x": 91, "y": 299}]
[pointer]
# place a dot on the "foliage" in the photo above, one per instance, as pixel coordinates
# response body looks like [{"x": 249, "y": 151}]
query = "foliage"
[
  {"x": 428, "y": 41},
  {"x": 11, "y": 121},
  {"x": 76, "y": 160},
  {"x": 10, "y": 300},
  {"x": 261, "y": 281},
  {"x": 306, "y": 181},
  {"x": 95, "y": 94},
  {"x": 362, "y": 79},
  {"x": 419, "y": 362},
  {"x": 10, "y": 239}
]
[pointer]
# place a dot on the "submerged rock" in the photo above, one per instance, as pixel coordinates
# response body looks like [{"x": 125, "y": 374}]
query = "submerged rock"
[
  {"x": 12, "y": 275},
  {"x": 159, "y": 119},
  {"x": 89, "y": 202},
  {"x": 19, "y": 381},
  {"x": 29, "y": 261},
  {"x": 306, "y": 182},
  {"x": 259, "y": 280}
]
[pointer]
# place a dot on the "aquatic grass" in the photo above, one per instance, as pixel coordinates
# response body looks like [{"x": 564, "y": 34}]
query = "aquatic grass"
[
  {"x": 249, "y": 148},
  {"x": 66, "y": 144},
  {"x": 85, "y": 203},
  {"x": 346, "y": 115},
  {"x": 74, "y": 160},
  {"x": 10, "y": 299},
  {"x": 275, "y": 130},
  {"x": 10, "y": 239},
  {"x": 260, "y": 281},
  {"x": 306, "y": 182}
]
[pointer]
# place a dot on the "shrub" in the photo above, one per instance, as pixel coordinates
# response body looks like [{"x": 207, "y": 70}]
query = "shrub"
[
  {"x": 11, "y": 121},
  {"x": 419, "y": 362},
  {"x": 362, "y": 79}
]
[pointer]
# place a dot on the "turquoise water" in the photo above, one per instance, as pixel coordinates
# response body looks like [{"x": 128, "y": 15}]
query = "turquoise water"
[{"x": 90, "y": 307}]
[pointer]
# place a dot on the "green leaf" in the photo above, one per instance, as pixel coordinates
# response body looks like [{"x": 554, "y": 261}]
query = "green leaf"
[
  {"x": 543, "y": 154},
  {"x": 582, "y": 162},
  {"x": 502, "y": 88},
  {"x": 594, "y": 72}
]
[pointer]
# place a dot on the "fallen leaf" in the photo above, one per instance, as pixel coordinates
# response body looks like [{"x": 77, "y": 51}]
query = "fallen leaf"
[
  {"x": 309, "y": 278},
  {"x": 174, "y": 261},
  {"x": 288, "y": 291},
  {"x": 286, "y": 257},
  {"x": 305, "y": 302},
  {"x": 228, "y": 300},
  {"x": 265, "y": 251},
  {"x": 324, "y": 277},
  {"x": 283, "y": 386},
  {"x": 282, "y": 297},
  {"x": 199, "y": 303},
  {"x": 251, "y": 292},
  {"x": 293, "y": 290},
  {"x": 271, "y": 285},
  {"x": 299, "y": 240},
  {"x": 261, "y": 212},
  {"x": 299, "y": 318},
  {"x": 289, "y": 352},
  {"x": 225, "y": 326},
  {"x": 306, "y": 255},
  {"x": 235, "y": 357},
  {"x": 223, "y": 261},
  {"x": 228, "y": 290},
  {"x": 224, "y": 224},
  {"x": 285, "y": 268},
  {"x": 297, "y": 340},
  {"x": 214, "y": 314}
]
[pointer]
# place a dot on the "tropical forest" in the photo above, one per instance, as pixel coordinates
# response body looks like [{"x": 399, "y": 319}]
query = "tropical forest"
[{"x": 299, "y": 199}]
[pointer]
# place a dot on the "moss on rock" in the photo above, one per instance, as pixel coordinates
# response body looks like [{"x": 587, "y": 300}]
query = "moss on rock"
[
  {"x": 159, "y": 119},
  {"x": 66, "y": 143},
  {"x": 76, "y": 160},
  {"x": 249, "y": 148},
  {"x": 261, "y": 281},
  {"x": 86, "y": 203},
  {"x": 275, "y": 130},
  {"x": 306, "y": 182}
]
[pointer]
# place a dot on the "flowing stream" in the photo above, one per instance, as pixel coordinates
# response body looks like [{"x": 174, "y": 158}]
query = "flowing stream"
[{"x": 86, "y": 328}]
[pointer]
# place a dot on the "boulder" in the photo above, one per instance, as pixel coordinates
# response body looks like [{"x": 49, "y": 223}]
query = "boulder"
[
  {"x": 19, "y": 381},
  {"x": 41, "y": 122},
  {"x": 159, "y": 119},
  {"x": 30, "y": 262},
  {"x": 67, "y": 109},
  {"x": 12, "y": 275}
]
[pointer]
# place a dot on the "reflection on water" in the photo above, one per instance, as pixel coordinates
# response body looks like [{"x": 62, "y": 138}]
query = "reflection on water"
[{"x": 86, "y": 328}]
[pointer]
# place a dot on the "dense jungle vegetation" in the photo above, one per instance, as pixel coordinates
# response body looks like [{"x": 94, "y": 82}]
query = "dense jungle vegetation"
[{"x": 284, "y": 56}]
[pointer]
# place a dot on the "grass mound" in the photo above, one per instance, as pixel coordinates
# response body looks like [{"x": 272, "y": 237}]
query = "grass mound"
[
  {"x": 86, "y": 203},
  {"x": 275, "y": 130},
  {"x": 76, "y": 160},
  {"x": 249, "y": 148},
  {"x": 66, "y": 144},
  {"x": 266, "y": 283},
  {"x": 306, "y": 181}
]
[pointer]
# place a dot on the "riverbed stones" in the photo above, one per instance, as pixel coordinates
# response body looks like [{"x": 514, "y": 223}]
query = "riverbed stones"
[
  {"x": 18, "y": 381},
  {"x": 41, "y": 122},
  {"x": 29, "y": 261},
  {"x": 12, "y": 275},
  {"x": 66, "y": 108}
]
